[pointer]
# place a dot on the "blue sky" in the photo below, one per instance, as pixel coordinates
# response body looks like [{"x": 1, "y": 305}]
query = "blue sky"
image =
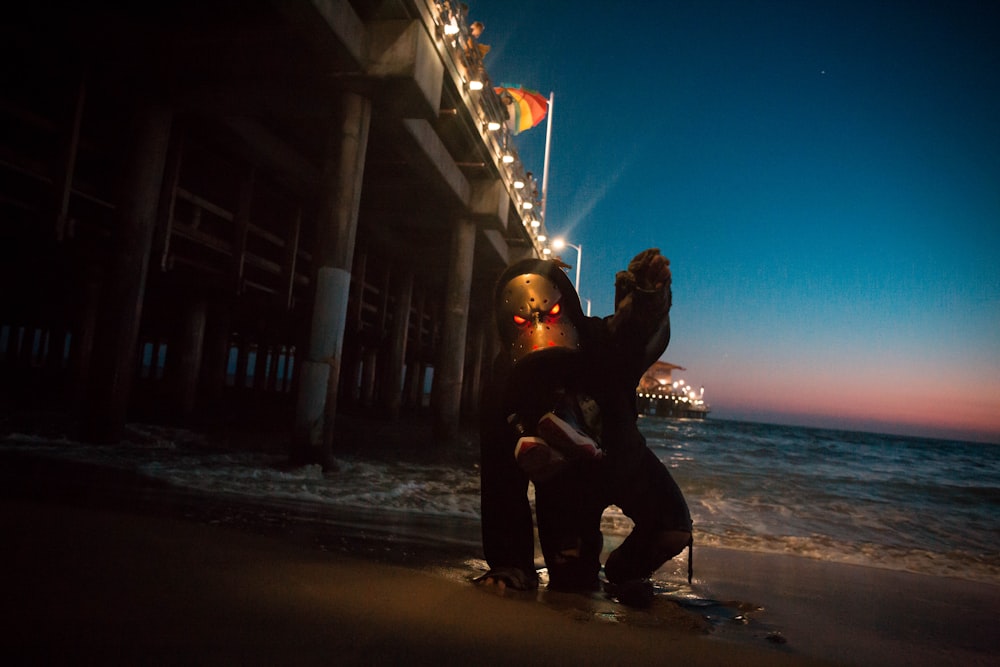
[{"x": 824, "y": 177}]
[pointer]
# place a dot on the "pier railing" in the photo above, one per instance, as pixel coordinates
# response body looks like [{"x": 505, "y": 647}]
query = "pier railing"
[{"x": 465, "y": 66}]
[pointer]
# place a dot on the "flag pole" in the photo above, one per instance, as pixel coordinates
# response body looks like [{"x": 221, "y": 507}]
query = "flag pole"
[{"x": 545, "y": 165}]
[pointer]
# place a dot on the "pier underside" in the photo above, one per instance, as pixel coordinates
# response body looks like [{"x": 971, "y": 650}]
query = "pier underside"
[{"x": 200, "y": 202}]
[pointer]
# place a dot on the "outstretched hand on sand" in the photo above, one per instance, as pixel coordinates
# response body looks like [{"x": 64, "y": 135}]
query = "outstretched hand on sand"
[
  {"x": 500, "y": 579},
  {"x": 494, "y": 583}
]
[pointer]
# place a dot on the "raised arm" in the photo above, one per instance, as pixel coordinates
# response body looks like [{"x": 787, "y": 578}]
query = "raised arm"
[{"x": 640, "y": 327}]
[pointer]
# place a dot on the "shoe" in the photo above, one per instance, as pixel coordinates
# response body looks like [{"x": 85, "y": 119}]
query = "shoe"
[
  {"x": 564, "y": 433},
  {"x": 536, "y": 458},
  {"x": 637, "y": 593}
]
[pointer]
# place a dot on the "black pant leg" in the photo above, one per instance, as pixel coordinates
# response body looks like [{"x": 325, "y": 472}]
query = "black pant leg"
[
  {"x": 568, "y": 509},
  {"x": 646, "y": 493}
]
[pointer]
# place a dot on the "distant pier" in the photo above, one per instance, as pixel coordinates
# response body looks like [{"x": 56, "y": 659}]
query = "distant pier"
[
  {"x": 660, "y": 395},
  {"x": 670, "y": 406}
]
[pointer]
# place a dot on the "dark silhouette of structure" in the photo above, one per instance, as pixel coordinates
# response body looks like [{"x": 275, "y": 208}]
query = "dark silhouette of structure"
[{"x": 282, "y": 207}]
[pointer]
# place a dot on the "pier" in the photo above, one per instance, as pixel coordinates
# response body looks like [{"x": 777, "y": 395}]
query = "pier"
[
  {"x": 290, "y": 208},
  {"x": 660, "y": 395}
]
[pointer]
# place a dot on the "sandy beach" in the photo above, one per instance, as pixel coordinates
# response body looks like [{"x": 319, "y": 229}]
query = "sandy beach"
[
  {"x": 108, "y": 567},
  {"x": 113, "y": 587}
]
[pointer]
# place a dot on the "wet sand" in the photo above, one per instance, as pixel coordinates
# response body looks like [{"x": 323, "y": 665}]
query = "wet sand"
[
  {"x": 858, "y": 615},
  {"x": 89, "y": 586},
  {"x": 107, "y": 567}
]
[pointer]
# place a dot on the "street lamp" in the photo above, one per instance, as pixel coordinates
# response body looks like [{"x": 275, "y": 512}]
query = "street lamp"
[{"x": 558, "y": 244}]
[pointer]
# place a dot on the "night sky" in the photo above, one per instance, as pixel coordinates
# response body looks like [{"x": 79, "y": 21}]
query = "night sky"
[{"x": 824, "y": 177}]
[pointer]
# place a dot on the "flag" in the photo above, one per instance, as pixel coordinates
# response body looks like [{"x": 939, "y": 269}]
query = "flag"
[{"x": 525, "y": 108}]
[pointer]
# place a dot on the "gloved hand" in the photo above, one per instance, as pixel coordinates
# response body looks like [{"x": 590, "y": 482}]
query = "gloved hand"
[
  {"x": 509, "y": 577},
  {"x": 651, "y": 270}
]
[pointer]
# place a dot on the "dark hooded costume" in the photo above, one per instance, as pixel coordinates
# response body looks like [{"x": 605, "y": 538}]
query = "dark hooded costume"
[{"x": 551, "y": 352}]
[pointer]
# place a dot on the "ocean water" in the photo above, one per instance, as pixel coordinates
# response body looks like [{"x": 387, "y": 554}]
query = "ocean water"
[
  {"x": 904, "y": 503},
  {"x": 919, "y": 505}
]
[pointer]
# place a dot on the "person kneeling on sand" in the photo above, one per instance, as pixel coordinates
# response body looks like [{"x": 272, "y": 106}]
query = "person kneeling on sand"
[{"x": 560, "y": 411}]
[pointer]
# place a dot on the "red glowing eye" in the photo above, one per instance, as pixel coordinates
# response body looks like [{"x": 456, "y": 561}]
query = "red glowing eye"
[
  {"x": 518, "y": 320},
  {"x": 556, "y": 309}
]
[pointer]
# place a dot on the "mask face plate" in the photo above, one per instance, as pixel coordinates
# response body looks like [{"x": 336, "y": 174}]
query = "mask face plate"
[{"x": 531, "y": 319}]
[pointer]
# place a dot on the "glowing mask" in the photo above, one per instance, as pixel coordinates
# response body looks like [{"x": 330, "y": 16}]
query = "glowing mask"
[{"x": 530, "y": 317}]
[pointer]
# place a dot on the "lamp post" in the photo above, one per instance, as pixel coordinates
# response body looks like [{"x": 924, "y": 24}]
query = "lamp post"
[{"x": 558, "y": 244}]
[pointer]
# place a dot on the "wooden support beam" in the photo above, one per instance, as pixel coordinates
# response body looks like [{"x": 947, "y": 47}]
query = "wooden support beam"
[
  {"x": 328, "y": 28},
  {"x": 168, "y": 200},
  {"x": 67, "y": 166},
  {"x": 241, "y": 228},
  {"x": 290, "y": 259}
]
